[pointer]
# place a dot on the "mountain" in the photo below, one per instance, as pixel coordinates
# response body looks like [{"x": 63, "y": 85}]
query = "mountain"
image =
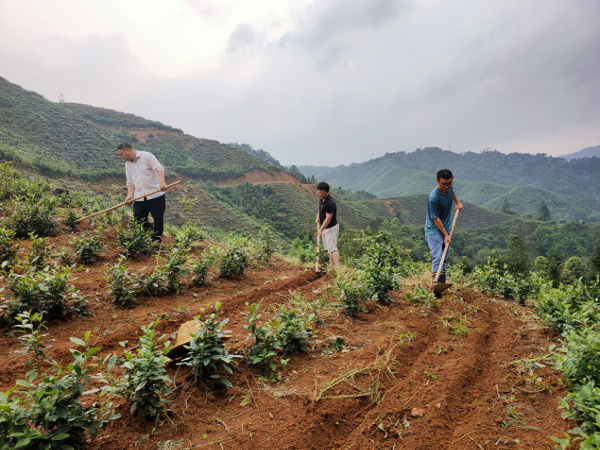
[
  {"x": 79, "y": 140},
  {"x": 588, "y": 152},
  {"x": 227, "y": 187},
  {"x": 569, "y": 188}
]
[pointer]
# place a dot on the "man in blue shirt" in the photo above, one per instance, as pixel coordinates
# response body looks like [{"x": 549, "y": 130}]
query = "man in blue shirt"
[{"x": 439, "y": 220}]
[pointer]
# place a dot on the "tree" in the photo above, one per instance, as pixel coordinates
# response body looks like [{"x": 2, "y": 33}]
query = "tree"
[
  {"x": 595, "y": 259},
  {"x": 555, "y": 267},
  {"x": 543, "y": 213},
  {"x": 516, "y": 256},
  {"x": 506, "y": 209},
  {"x": 575, "y": 268}
]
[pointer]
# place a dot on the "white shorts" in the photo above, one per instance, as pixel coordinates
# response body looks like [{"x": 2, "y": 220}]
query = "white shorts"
[{"x": 329, "y": 237}]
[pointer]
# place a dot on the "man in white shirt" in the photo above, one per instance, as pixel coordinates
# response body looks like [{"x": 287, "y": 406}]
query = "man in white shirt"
[{"x": 145, "y": 174}]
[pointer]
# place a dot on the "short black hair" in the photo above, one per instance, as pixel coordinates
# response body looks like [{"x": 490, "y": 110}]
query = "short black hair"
[
  {"x": 322, "y": 186},
  {"x": 124, "y": 146},
  {"x": 445, "y": 174}
]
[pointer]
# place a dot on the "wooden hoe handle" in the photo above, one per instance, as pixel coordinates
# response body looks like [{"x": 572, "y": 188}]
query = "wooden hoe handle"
[
  {"x": 125, "y": 203},
  {"x": 437, "y": 276}
]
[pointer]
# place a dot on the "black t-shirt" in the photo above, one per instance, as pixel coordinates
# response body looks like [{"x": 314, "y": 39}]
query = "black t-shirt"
[{"x": 327, "y": 206}]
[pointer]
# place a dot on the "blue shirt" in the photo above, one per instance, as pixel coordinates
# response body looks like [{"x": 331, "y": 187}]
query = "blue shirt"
[{"x": 439, "y": 207}]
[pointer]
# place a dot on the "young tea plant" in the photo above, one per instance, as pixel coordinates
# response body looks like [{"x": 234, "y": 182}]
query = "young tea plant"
[
  {"x": 175, "y": 268},
  {"x": 263, "y": 350},
  {"x": 266, "y": 244},
  {"x": 47, "y": 291},
  {"x": 232, "y": 259},
  {"x": 124, "y": 287},
  {"x": 293, "y": 330},
  {"x": 34, "y": 215},
  {"x": 39, "y": 252},
  {"x": 187, "y": 235},
  {"x": 352, "y": 292},
  {"x": 200, "y": 271},
  {"x": 207, "y": 356},
  {"x": 146, "y": 382},
  {"x": 46, "y": 411},
  {"x": 87, "y": 249},
  {"x": 422, "y": 296},
  {"x": 8, "y": 249},
  {"x": 65, "y": 256},
  {"x": 135, "y": 240}
]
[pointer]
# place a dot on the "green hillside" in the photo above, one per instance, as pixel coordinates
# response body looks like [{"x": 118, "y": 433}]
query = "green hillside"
[
  {"x": 568, "y": 188},
  {"x": 411, "y": 210},
  {"x": 79, "y": 140}
]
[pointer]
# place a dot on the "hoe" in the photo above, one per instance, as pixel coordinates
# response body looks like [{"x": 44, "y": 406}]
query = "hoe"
[
  {"x": 438, "y": 288},
  {"x": 82, "y": 221}
]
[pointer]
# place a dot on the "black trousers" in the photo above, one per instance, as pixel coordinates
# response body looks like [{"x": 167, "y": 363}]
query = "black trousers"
[{"x": 156, "y": 207}]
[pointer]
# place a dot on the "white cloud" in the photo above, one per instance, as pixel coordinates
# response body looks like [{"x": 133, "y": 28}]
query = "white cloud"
[{"x": 324, "y": 82}]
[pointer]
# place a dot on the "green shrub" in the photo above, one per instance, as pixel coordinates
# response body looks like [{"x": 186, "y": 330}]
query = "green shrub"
[
  {"x": 30, "y": 326},
  {"x": 70, "y": 219},
  {"x": 207, "y": 356},
  {"x": 124, "y": 286},
  {"x": 33, "y": 216},
  {"x": 175, "y": 267},
  {"x": 44, "y": 410},
  {"x": 421, "y": 296},
  {"x": 581, "y": 405},
  {"x": 306, "y": 251},
  {"x": 378, "y": 263},
  {"x": 46, "y": 291},
  {"x": 266, "y": 244},
  {"x": 187, "y": 235},
  {"x": 65, "y": 256},
  {"x": 146, "y": 382},
  {"x": 263, "y": 350},
  {"x": 38, "y": 252},
  {"x": 200, "y": 270},
  {"x": 352, "y": 292},
  {"x": 135, "y": 240},
  {"x": 87, "y": 249},
  {"x": 153, "y": 283},
  {"x": 579, "y": 358},
  {"x": 8, "y": 249},
  {"x": 293, "y": 330},
  {"x": 233, "y": 258}
]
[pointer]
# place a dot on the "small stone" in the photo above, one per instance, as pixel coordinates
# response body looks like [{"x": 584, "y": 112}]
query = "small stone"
[{"x": 417, "y": 412}]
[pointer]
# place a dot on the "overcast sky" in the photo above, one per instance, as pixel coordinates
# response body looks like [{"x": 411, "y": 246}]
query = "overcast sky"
[{"x": 327, "y": 81}]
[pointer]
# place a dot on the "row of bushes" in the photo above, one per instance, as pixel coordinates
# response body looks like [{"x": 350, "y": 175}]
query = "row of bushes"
[
  {"x": 574, "y": 311},
  {"x": 231, "y": 259},
  {"x": 571, "y": 308},
  {"x": 377, "y": 272},
  {"x": 45, "y": 410}
]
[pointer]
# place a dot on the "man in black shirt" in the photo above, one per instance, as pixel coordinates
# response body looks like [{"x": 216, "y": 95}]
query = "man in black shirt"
[{"x": 329, "y": 228}]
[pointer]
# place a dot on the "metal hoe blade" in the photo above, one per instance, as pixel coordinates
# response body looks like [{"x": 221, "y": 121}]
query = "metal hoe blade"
[{"x": 441, "y": 287}]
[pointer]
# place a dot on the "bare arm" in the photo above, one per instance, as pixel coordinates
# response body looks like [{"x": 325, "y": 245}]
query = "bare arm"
[
  {"x": 326, "y": 222},
  {"x": 440, "y": 226},
  {"x": 161, "y": 180},
  {"x": 459, "y": 205},
  {"x": 130, "y": 192}
]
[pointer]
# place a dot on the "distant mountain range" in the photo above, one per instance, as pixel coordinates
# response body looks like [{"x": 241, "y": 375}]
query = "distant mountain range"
[
  {"x": 227, "y": 187},
  {"x": 569, "y": 188},
  {"x": 588, "y": 152}
]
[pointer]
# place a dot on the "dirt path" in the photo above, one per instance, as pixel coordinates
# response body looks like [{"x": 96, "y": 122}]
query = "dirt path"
[{"x": 445, "y": 378}]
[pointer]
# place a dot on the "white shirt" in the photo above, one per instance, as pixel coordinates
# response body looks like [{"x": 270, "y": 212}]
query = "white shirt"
[{"x": 142, "y": 174}]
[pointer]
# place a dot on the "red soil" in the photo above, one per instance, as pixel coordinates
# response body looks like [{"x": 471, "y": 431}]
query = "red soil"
[{"x": 448, "y": 391}]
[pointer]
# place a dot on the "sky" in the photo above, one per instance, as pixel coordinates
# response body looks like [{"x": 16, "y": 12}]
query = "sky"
[{"x": 324, "y": 82}]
